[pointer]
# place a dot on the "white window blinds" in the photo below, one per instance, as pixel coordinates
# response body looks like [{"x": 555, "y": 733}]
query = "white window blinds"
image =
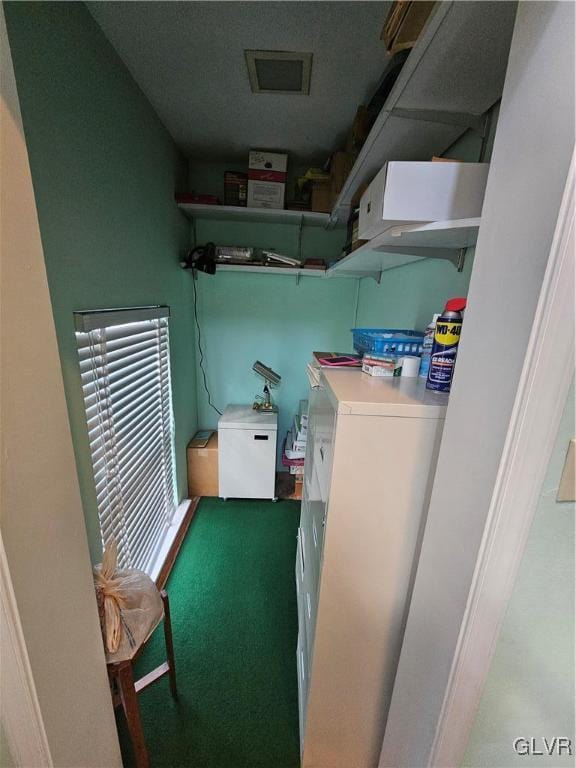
[{"x": 125, "y": 370}]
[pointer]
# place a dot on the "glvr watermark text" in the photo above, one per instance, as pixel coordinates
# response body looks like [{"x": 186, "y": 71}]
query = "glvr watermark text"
[{"x": 555, "y": 745}]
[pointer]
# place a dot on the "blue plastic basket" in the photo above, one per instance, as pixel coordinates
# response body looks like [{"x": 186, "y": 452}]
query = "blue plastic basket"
[{"x": 387, "y": 341}]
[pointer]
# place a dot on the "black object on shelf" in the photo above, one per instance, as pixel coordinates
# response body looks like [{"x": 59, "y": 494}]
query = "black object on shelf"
[{"x": 201, "y": 258}]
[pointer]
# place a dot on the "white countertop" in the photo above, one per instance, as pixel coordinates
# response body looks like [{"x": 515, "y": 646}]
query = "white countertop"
[
  {"x": 355, "y": 393},
  {"x": 246, "y": 417}
]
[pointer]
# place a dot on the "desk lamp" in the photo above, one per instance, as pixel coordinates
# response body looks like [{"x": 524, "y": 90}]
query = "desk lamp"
[{"x": 272, "y": 379}]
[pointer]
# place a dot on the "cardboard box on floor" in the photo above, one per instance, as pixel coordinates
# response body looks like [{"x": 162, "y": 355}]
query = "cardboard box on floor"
[{"x": 203, "y": 469}]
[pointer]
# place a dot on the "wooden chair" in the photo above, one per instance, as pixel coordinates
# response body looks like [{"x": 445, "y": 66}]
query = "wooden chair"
[{"x": 125, "y": 689}]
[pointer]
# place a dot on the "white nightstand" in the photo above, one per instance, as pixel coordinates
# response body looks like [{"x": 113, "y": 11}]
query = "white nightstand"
[{"x": 247, "y": 453}]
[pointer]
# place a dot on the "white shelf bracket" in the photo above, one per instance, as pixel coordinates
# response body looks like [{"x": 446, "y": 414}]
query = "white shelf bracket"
[
  {"x": 463, "y": 119},
  {"x": 332, "y": 221}
]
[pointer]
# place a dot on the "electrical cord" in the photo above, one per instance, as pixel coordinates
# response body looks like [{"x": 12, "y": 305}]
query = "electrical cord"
[{"x": 210, "y": 403}]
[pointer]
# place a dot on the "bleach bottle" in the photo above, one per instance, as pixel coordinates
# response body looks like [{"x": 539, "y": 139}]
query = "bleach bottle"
[
  {"x": 446, "y": 338},
  {"x": 427, "y": 345}
]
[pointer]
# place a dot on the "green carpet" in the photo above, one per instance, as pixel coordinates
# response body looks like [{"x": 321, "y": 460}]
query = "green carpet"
[{"x": 234, "y": 621}]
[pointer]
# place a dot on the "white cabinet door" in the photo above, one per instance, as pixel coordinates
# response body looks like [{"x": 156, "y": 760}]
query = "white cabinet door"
[
  {"x": 246, "y": 463},
  {"x": 323, "y": 426}
]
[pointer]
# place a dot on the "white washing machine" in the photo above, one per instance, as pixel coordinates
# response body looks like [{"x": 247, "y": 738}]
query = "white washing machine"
[{"x": 247, "y": 453}]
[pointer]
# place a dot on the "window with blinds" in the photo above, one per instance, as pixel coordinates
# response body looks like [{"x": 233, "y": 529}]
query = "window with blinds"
[{"x": 125, "y": 370}]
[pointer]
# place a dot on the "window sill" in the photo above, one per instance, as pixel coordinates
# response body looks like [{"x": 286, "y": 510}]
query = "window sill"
[{"x": 173, "y": 541}]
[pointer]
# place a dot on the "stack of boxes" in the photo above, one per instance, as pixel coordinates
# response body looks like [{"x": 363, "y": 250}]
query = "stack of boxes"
[{"x": 295, "y": 447}]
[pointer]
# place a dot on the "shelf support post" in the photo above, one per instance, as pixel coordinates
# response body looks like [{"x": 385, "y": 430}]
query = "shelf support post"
[{"x": 461, "y": 259}]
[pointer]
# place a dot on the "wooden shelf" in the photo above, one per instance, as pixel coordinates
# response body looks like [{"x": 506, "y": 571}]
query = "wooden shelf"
[
  {"x": 408, "y": 243},
  {"x": 454, "y": 74},
  {"x": 262, "y": 215}
]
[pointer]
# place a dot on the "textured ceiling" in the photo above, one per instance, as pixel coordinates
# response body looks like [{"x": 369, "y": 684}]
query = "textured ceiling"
[{"x": 188, "y": 58}]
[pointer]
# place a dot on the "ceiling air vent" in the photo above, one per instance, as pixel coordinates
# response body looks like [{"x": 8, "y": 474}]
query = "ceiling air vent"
[{"x": 279, "y": 71}]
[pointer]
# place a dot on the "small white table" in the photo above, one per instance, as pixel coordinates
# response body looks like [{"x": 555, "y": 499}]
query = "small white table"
[{"x": 247, "y": 453}]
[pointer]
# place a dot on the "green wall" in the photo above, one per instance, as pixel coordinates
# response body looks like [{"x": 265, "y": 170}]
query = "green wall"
[
  {"x": 275, "y": 319},
  {"x": 272, "y": 318},
  {"x": 104, "y": 170},
  {"x": 529, "y": 691},
  {"x": 408, "y": 296}
]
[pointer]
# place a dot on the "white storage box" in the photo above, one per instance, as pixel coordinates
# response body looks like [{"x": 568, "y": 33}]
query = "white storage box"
[
  {"x": 303, "y": 413},
  {"x": 266, "y": 179},
  {"x": 406, "y": 192},
  {"x": 294, "y": 449},
  {"x": 299, "y": 430},
  {"x": 247, "y": 453}
]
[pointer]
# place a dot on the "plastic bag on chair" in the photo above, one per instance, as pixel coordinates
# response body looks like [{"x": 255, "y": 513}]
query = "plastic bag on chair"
[{"x": 132, "y": 606}]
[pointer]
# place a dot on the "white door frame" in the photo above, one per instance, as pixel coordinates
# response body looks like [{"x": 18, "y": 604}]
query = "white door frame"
[
  {"x": 542, "y": 392},
  {"x": 19, "y": 710},
  {"x": 480, "y": 456}
]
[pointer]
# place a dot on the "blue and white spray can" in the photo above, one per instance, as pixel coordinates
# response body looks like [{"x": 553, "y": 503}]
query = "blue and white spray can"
[{"x": 445, "y": 348}]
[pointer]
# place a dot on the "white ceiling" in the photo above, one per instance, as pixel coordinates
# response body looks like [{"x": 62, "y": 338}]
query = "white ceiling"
[{"x": 188, "y": 59}]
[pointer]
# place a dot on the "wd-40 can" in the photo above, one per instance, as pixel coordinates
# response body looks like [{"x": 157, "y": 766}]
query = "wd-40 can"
[{"x": 446, "y": 338}]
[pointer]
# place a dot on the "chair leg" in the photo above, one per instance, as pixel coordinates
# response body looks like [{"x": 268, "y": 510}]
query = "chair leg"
[
  {"x": 129, "y": 699},
  {"x": 169, "y": 645}
]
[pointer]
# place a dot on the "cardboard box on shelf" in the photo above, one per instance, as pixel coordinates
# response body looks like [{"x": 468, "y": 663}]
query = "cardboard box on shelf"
[
  {"x": 404, "y": 24},
  {"x": 340, "y": 166},
  {"x": 321, "y": 200},
  {"x": 314, "y": 264},
  {"x": 235, "y": 188},
  {"x": 266, "y": 179},
  {"x": 359, "y": 131},
  {"x": 203, "y": 469},
  {"x": 197, "y": 198},
  {"x": 357, "y": 244}
]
